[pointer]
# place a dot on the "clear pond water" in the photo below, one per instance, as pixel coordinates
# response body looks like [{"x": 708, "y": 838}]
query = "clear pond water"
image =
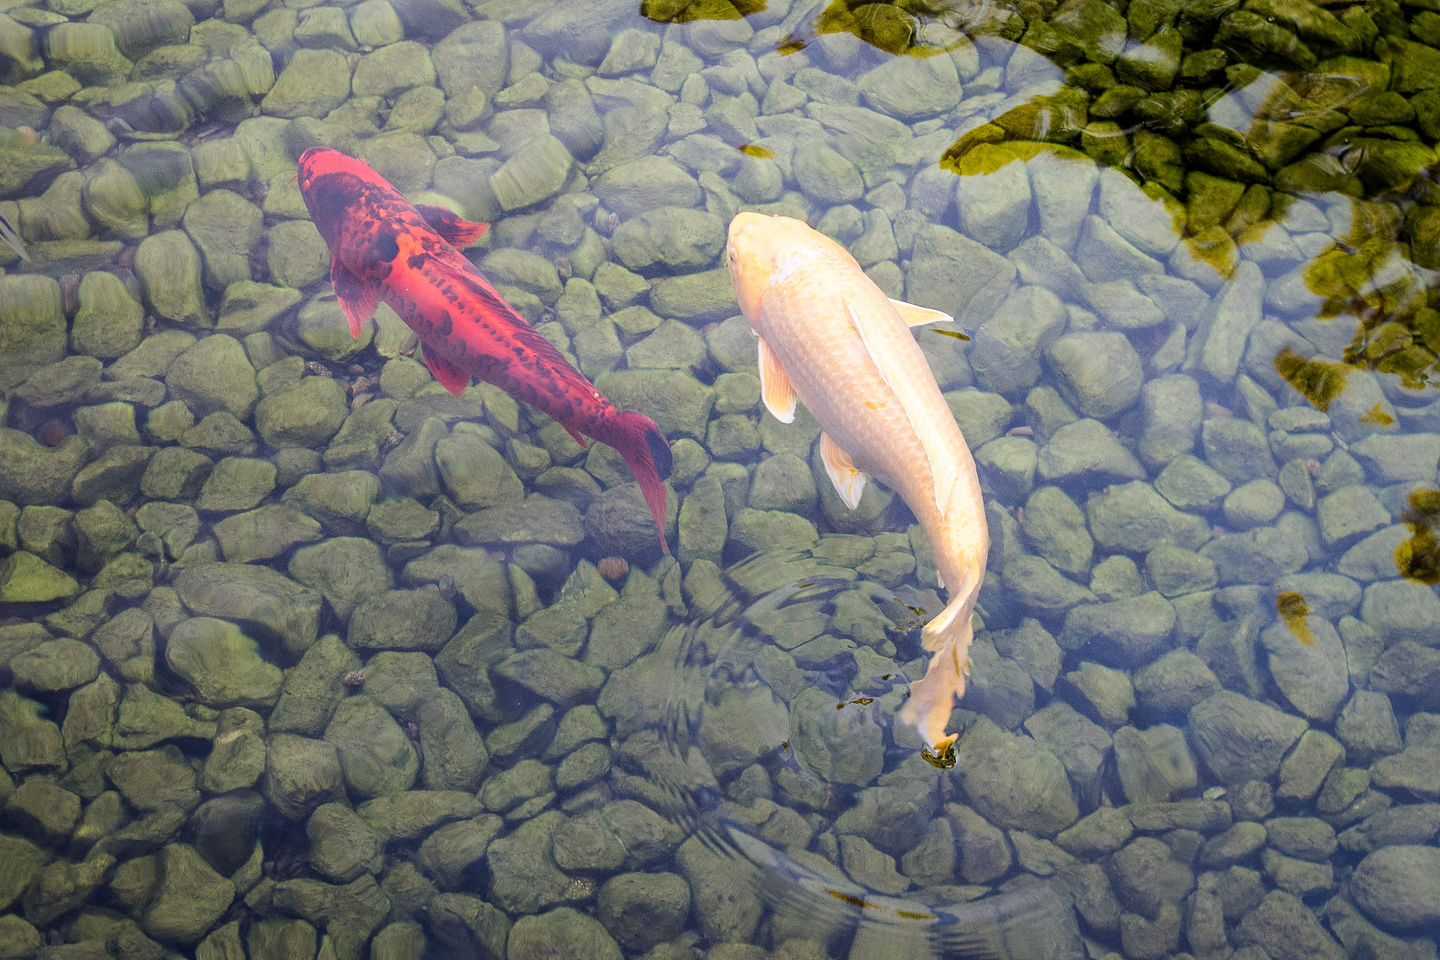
[{"x": 303, "y": 656}]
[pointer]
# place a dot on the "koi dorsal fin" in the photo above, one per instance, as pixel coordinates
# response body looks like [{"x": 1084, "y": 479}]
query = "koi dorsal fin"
[
  {"x": 919, "y": 316},
  {"x": 457, "y": 232}
]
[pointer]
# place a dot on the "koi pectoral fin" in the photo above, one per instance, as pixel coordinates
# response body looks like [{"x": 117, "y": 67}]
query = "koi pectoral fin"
[
  {"x": 775, "y": 387},
  {"x": 849, "y": 482},
  {"x": 356, "y": 299},
  {"x": 454, "y": 230},
  {"x": 450, "y": 377}
]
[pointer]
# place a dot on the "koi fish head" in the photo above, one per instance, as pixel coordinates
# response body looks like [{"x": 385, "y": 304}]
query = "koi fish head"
[
  {"x": 330, "y": 183},
  {"x": 757, "y": 251}
]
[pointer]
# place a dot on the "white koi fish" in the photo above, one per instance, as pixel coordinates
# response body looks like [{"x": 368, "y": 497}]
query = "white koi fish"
[{"x": 831, "y": 338}]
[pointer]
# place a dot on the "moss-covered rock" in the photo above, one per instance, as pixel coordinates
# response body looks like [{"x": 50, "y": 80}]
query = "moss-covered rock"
[
  {"x": 473, "y": 472},
  {"x": 221, "y": 664},
  {"x": 669, "y": 238},
  {"x": 313, "y": 687},
  {"x": 376, "y": 755},
  {"x": 342, "y": 846},
  {"x": 237, "y": 754},
  {"x": 344, "y": 570},
  {"x": 237, "y": 483},
  {"x": 60, "y": 664},
  {"x": 403, "y": 620},
  {"x": 314, "y": 83},
  {"x": 215, "y": 374},
  {"x": 226, "y": 228},
  {"x": 264, "y": 532},
  {"x": 32, "y": 327},
  {"x": 87, "y": 51},
  {"x": 340, "y": 501},
  {"x": 1086, "y": 448},
  {"x": 1033, "y": 794},
  {"x": 305, "y": 415},
  {"x": 109, "y": 321},
  {"x": 256, "y": 597},
  {"x": 301, "y": 774},
  {"x": 25, "y": 578},
  {"x": 169, "y": 269},
  {"x": 63, "y": 885},
  {"x": 1099, "y": 374},
  {"x": 1133, "y": 517},
  {"x": 127, "y": 642}
]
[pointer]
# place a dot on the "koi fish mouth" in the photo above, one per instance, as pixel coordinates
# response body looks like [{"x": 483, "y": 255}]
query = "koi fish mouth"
[{"x": 304, "y": 171}]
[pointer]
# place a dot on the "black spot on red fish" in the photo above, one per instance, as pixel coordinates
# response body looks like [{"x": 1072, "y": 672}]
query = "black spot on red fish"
[
  {"x": 416, "y": 261},
  {"x": 386, "y": 247}
]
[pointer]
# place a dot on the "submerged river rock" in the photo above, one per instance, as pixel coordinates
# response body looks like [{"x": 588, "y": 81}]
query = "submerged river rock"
[{"x": 308, "y": 657}]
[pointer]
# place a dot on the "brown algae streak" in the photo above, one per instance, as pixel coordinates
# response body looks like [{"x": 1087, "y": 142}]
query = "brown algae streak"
[{"x": 1293, "y": 610}]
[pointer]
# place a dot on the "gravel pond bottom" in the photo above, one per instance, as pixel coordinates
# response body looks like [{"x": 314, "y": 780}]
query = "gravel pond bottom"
[{"x": 302, "y": 656}]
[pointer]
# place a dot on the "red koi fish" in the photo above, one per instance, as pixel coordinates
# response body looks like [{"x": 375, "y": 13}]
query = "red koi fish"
[{"x": 384, "y": 248}]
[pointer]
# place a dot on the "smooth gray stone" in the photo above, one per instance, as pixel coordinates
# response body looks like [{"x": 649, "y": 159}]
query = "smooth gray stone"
[{"x": 1241, "y": 739}]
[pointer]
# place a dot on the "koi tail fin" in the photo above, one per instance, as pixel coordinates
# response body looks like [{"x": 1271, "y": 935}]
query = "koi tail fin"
[
  {"x": 647, "y": 453},
  {"x": 932, "y": 697}
]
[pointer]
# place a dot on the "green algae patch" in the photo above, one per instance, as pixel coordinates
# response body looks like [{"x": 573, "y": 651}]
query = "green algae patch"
[
  {"x": 985, "y": 150},
  {"x": 1418, "y": 557},
  {"x": 687, "y": 11},
  {"x": 1319, "y": 381}
]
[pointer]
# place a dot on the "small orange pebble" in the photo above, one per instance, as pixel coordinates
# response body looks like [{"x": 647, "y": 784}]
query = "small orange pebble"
[{"x": 613, "y": 568}]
